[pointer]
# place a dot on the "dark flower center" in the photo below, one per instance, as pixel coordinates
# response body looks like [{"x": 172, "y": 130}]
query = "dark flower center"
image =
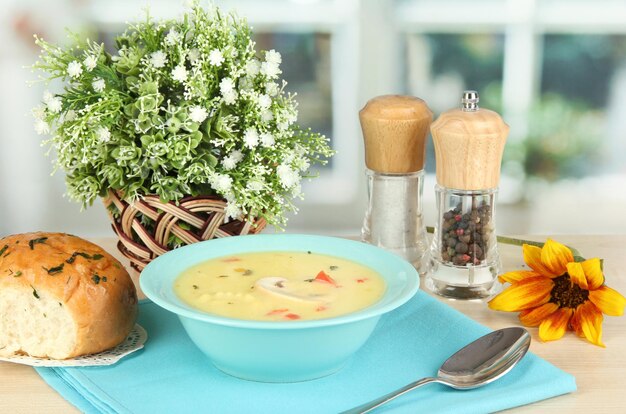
[{"x": 566, "y": 293}]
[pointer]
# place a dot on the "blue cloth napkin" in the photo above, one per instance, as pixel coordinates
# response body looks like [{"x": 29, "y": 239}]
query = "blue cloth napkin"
[{"x": 170, "y": 375}]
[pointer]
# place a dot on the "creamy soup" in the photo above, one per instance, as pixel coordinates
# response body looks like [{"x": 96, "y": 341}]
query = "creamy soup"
[{"x": 279, "y": 286}]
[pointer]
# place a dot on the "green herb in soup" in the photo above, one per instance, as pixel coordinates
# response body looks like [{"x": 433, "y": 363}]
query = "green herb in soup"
[{"x": 279, "y": 286}]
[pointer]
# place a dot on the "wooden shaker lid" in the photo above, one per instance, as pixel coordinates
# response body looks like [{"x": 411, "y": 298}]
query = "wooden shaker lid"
[
  {"x": 394, "y": 131},
  {"x": 469, "y": 143}
]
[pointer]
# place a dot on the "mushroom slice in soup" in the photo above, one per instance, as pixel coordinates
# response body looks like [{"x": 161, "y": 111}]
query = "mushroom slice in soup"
[{"x": 288, "y": 289}]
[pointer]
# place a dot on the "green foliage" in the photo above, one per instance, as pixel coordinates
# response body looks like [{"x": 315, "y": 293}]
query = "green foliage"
[
  {"x": 564, "y": 139},
  {"x": 184, "y": 107}
]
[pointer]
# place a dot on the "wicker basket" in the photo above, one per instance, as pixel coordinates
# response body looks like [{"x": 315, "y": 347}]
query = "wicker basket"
[{"x": 191, "y": 220}]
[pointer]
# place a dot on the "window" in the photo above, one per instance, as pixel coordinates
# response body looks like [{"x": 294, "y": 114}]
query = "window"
[
  {"x": 440, "y": 66},
  {"x": 554, "y": 69}
]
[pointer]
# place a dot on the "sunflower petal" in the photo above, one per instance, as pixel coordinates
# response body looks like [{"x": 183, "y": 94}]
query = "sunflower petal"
[
  {"x": 525, "y": 294},
  {"x": 532, "y": 257},
  {"x": 577, "y": 274},
  {"x": 556, "y": 256},
  {"x": 555, "y": 325},
  {"x": 533, "y": 317},
  {"x": 608, "y": 300},
  {"x": 593, "y": 272},
  {"x": 587, "y": 322},
  {"x": 516, "y": 276},
  {"x": 576, "y": 323}
]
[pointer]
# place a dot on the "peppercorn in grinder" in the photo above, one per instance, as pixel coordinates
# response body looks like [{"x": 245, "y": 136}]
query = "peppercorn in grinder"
[
  {"x": 469, "y": 143},
  {"x": 394, "y": 131}
]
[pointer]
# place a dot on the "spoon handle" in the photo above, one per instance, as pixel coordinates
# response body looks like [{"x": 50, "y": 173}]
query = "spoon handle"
[{"x": 369, "y": 406}]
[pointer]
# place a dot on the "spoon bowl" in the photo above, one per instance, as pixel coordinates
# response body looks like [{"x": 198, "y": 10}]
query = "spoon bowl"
[
  {"x": 486, "y": 359},
  {"x": 478, "y": 363}
]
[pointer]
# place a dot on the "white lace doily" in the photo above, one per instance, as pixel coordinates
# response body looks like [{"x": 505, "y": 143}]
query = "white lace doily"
[{"x": 133, "y": 342}]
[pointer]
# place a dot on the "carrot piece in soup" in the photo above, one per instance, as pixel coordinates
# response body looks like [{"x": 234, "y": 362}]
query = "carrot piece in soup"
[
  {"x": 323, "y": 277},
  {"x": 362, "y": 280},
  {"x": 292, "y": 316},
  {"x": 276, "y": 311}
]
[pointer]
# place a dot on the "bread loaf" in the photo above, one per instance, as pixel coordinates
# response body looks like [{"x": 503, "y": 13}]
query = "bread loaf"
[{"x": 62, "y": 297}]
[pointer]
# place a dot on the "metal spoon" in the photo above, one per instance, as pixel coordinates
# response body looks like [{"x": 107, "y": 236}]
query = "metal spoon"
[{"x": 479, "y": 363}]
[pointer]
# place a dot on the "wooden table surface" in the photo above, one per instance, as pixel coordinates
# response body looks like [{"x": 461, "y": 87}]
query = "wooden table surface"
[{"x": 599, "y": 371}]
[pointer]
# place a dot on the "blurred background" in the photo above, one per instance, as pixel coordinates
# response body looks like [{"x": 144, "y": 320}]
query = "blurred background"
[{"x": 554, "y": 69}]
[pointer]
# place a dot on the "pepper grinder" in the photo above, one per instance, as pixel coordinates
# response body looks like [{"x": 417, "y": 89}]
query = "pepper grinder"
[
  {"x": 469, "y": 143},
  {"x": 394, "y": 131}
]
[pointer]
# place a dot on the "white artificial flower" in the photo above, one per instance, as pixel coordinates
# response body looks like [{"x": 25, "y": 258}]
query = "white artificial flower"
[
  {"x": 232, "y": 210},
  {"x": 299, "y": 150},
  {"x": 237, "y": 155},
  {"x": 41, "y": 127},
  {"x": 227, "y": 85},
  {"x": 227, "y": 88},
  {"x": 69, "y": 116},
  {"x": 172, "y": 37},
  {"x": 273, "y": 57},
  {"x": 292, "y": 117},
  {"x": 179, "y": 73},
  {"x": 267, "y": 115},
  {"x": 245, "y": 83},
  {"x": 297, "y": 190},
  {"x": 54, "y": 105},
  {"x": 288, "y": 157},
  {"x": 98, "y": 85},
  {"x": 252, "y": 67},
  {"x": 39, "y": 112},
  {"x": 251, "y": 138},
  {"x": 90, "y": 62},
  {"x": 229, "y": 163},
  {"x": 74, "y": 69},
  {"x": 47, "y": 95},
  {"x": 272, "y": 88},
  {"x": 218, "y": 142},
  {"x": 259, "y": 170},
  {"x": 264, "y": 101},
  {"x": 198, "y": 114},
  {"x": 103, "y": 134},
  {"x": 287, "y": 176},
  {"x": 215, "y": 57},
  {"x": 230, "y": 97},
  {"x": 255, "y": 185},
  {"x": 229, "y": 196},
  {"x": 270, "y": 70},
  {"x": 267, "y": 139},
  {"x": 158, "y": 59},
  {"x": 303, "y": 164},
  {"x": 222, "y": 182},
  {"x": 194, "y": 55}
]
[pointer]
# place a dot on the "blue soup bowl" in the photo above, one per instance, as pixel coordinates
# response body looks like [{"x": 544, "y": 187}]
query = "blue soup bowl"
[{"x": 279, "y": 351}]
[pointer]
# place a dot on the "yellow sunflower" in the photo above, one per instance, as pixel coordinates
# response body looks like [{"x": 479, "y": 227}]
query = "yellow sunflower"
[{"x": 559, "y": 293}]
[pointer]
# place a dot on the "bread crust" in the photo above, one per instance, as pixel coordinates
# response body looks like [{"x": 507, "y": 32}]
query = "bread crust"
[{"x": 90, "y": 283}]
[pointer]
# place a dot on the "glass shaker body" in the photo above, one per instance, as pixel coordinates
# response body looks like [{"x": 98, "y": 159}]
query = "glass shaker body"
[
  {"x": 394, "y": 219},
  {"x": 464, "y": 261}
]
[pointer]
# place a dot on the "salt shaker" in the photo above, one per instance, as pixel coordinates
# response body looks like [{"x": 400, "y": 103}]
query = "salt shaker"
[
  {"x": 394, "y": 131},
  {"x": 469, "y": 143}
]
